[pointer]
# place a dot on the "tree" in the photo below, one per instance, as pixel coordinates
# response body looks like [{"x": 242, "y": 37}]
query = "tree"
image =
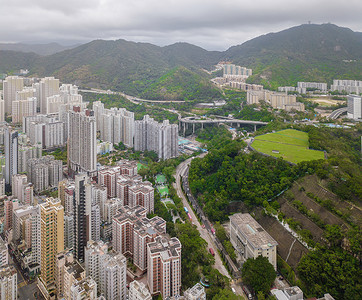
[
  {"x": 226, "y": 294},
  {"x": 333, "y": 235},
  {"x": 258, "y": 273}
]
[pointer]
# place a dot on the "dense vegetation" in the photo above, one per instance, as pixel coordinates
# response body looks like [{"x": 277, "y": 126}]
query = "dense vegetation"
[
  {"x": 343, "y": 147},
  {"x": 303, "y": 53},
  {"x": 309, "y": 53},
  {"x": 182, "y": 84},
  {"x": 258, "y": 273},
  {"x": 227, "y": 174},
  {"x": 331, "y": 270}
]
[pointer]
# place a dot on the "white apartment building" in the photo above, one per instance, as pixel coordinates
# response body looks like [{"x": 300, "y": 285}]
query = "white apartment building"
[
  {"x": 21, "y": 189},
  {"x": 11, "y": 85},
  {"x": 8, "y": 283},
  {"x": 82, "y": 147},
  {"x": 36, "y": 236},
  {"x": 354, "y": 107},
  {"x": 110, "y": 209},
  {"x": 152, "y": 136},
  {"x": 23, "y": 108},
  {"x": 250, "y": 240},
  {"x": 116, "y": 124},
  {"x": 302, "y": 87},
  {"x": 44, "y": 172},
  {"x": 94, "y": 255},
  {"x": 164, "y": 266},
  {"x": 231, "y": 70},
  {"x": 114, "y": 273},
  {"x": 278, "y": 100},
  {"x": 348, "y": 86},
  {"x": 138, "y": 291},
  {"x": 25, "y": 93},
  {"x": 107, "y": 269},
  {"x": 53, "y": 103},
  {"x": 2, "y": 110},
  {"x": 4, "y": 254},
  {"x": 26, "y": 152},
  {"x": 95, "y": 223},
  {"x": 22, "y": 224},
  {"x": 48, "y": 86},
  {"x": 84, "y": 289},
  {"x": 68, "y": 272},
  {"x": 68, "y": 231},
  {"x": 46, "y": 130}
]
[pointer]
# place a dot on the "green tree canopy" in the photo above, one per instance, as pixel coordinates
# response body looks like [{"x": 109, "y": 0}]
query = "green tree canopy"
[
  {"x": 226, "y": 294},
  {"x": 258, "y": 273}
]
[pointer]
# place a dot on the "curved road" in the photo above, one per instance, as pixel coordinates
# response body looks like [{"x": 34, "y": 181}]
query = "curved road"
[
  {"x": 336, "y": 113},
  {"x": 181, "y": 170},
  {"x": 204, "y": 232}
]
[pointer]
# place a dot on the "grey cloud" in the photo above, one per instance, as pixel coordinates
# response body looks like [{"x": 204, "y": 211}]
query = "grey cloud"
[{"x": 214, "y": 25}]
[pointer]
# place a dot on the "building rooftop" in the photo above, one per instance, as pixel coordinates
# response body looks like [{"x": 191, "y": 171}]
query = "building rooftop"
[
  {"x": 196, "y": 291},
  {"x": 292, "y": 291},
  {"x": 142, "y": 224},
  {"x": 75, "y": 269},
  {"x": 252, "y": 230},
  {"x": 166, "y": 247},
  {"x": 6, "y": 272},
  {"x": 143, "y": 292}
]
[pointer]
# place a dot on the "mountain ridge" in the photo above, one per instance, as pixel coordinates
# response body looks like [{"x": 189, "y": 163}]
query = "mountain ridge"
[{"x": 307, "y": 52}]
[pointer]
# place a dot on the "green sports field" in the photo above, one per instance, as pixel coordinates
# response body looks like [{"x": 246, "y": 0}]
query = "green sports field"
[
  {"x": 163, "y": 190},
  {"x": 291, "y": 144},
  {"x": 160, "y": 179}
]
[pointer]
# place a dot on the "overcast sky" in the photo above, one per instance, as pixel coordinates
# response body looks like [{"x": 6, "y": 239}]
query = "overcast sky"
[{"x": 211, "y": 24}]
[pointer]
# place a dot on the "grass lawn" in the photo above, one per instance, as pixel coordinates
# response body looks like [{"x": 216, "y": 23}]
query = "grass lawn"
[
  {"x": 287, "y": 136},
  {"x": 163, "y": 190},
  {"x": 160, "y": 179},
  {"x": 291, "y": 144},
  {"x": 140, "y": 166}
]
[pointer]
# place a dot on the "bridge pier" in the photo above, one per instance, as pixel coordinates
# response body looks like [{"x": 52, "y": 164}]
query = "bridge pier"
[
  {"x": 184, "y": 129},
  {"x": 202, "y": 125},
  {"x": 193, "y": 128},
  {"x": 254, "y": 127}
]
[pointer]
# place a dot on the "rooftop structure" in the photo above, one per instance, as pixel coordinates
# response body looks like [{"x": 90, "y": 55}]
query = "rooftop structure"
[
  {"x": 251, "y": 240},
  {"x": 197, "y": 292},
  {"x": 164, "y": 266},
  {"x": 138, "y": 291},
  {"x": 132, "y": 231}
]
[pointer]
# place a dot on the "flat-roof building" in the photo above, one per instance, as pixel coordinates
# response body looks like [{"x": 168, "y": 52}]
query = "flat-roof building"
[{"x": 250, "y": 239}]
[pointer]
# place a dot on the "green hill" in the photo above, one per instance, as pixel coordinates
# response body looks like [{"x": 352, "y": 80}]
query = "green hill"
[
  {"x": 302, "y": 53},
  {"x": 182, "y": 84}
]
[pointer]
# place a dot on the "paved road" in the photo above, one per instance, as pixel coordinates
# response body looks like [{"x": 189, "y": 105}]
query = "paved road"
[
  {"x": 336, "y": 113},
  {"x": 205, "y": 233},
  {"x": 180, "y": 170}
]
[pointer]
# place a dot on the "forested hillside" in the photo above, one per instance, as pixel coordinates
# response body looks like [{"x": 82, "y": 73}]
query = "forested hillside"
[{"x": 302, "y": 53}]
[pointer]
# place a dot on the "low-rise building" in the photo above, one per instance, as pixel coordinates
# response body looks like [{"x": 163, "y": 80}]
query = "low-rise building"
[
  {"x": 290, "y": 293},
  {"x": 251, "y": 240},
  {"x": 197, "y": 292},
  {"x": 138, "y": 291}
]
